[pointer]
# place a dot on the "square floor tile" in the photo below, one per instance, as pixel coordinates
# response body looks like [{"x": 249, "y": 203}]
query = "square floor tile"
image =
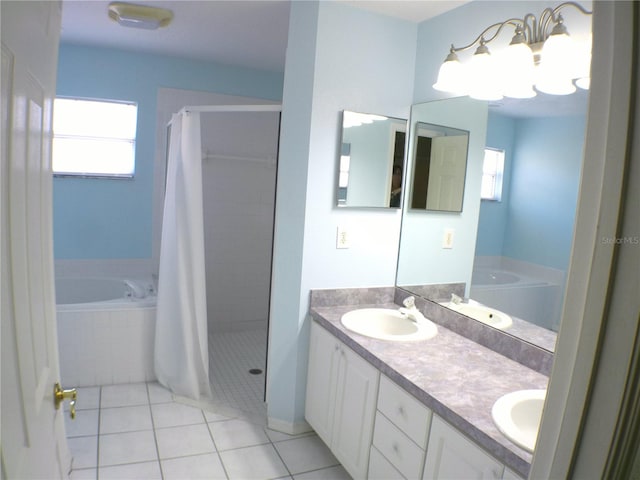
[
  {"x": 215, "y": 417},
  {"x": 84, "y": 474},
  {"x": 260, "y": 462},
  {"x": 85, "y": 423},
  {"x": 125, "y": 419},
  {"x": 236, "y": 434},
  {"x": 84, "y": 451},
  {"x": 194, "y": 468},
  {"x": 276, "y": 436},
  {"x": 159, "y": 394},
  {"x": 124, "y": 395},
  {"x": 137, "y": 471},
  {"x": 181, "y": 441},
  {"x": 88, "y": 398},
  {"x": 332, "y": 473},
  {"x": 130, "y": 447},
  {"x": 175, "y": 414},
  {"x": 305, "y": 454}
]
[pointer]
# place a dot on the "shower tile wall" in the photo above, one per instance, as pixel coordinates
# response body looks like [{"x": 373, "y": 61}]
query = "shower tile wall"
[{"x": 239, "y": 188}]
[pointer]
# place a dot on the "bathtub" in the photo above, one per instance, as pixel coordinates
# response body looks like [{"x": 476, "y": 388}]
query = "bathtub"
[
  {"x": 526, "y": 296},
  {"x": 106, "y": 329}
]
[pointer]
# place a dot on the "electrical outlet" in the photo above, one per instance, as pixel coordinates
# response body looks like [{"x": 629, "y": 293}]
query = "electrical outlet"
[
  {"x": 447, "y": 238},
  {"x": 342, "y": 238}
]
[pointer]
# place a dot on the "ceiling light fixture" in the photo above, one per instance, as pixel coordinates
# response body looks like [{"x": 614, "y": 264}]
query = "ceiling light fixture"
[
  {"x": 540, "y": 54},
  {"x": 139, "y": 16}
]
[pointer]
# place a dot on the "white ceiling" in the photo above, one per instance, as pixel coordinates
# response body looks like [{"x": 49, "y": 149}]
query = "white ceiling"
[
  {"x": 253, "y": 34},
  {"x": 235, "y": 32}
]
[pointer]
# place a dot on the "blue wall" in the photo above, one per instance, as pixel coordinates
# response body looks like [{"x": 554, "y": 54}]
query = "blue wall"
[
  {"x": 103, "y": 219},
  {"x": 544, "y": 189},
  {"x": 534, "y": 221},
  {"x": 493, "y": 215},
  {"x": 344, "y": 58}
]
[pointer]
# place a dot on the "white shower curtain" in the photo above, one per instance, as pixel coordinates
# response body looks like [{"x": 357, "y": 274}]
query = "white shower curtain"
[{"x": 181, "y": 348}]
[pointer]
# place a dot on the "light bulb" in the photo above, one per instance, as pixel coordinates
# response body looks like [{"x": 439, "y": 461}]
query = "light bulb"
[
  {"x": 485, "y": 76},
  {"x": 451, "y": 76},
  {"x": 556, "y": 65},
  {"x": 518, "y": 71}
]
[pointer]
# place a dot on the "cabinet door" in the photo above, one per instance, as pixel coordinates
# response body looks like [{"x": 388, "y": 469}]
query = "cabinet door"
[
  {"x": 322, "y": 373},
  {"x": 355, "y": 408},
  {"x": 451, "y": 456}
]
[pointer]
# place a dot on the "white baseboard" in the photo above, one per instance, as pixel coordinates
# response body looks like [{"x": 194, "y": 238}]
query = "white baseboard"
[{"x": 287, "y": 427}]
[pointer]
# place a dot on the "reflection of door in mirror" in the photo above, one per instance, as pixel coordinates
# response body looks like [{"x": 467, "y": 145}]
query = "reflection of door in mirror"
[
  {"x": 440, "y": 160},
  {"x": 446, "y": 176},
  {"x": 371, "y": 161},
  {"x": 395, "y": 195}
]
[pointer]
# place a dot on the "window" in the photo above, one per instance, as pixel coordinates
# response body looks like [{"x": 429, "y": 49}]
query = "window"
[
  {"x": 492, "y": 169},
  {"x": 94, "y": 138},
  {"x": 343, "y": 178}
]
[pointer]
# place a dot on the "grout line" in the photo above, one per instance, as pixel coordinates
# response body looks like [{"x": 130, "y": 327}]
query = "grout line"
[
  {"x": 215, "y": 445},
  {"x": 280, "y": 457},
  {"x": 98, "y": 435},
  {"x": 155, "y": 437}
]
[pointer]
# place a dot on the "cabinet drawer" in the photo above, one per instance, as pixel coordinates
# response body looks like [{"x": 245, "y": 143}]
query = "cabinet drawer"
[
  {"x": 380, "y": 468},
  {"x": 396, "y": 447},
  {"x": 407, "y": 413}
]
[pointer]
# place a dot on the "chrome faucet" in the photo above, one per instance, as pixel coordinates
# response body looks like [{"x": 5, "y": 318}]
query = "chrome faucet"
[
  {"x": 455, "y": 299},
  {"x": 410, "y": 311},
  {"x": 409, "y": 302}
]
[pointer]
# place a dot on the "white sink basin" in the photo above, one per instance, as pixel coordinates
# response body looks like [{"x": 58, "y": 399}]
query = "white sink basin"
[
  {"x": 387, "y": 324},
  {"x": 517, "y": 415},
  {"x": 490, "y": 316}
]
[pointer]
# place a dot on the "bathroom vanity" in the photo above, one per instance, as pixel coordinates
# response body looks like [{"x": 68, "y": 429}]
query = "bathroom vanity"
[{"x": 415, "y": 410}]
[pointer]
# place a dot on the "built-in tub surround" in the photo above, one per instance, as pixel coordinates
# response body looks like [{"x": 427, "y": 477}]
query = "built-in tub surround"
[
  {"x": 109, "y": 341},
  {"x": 456, "y": 378}
]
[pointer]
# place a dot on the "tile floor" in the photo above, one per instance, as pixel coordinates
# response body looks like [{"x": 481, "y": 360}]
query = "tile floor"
[
  {"x": 138, "y": 431},
  {"x": 231, "y": 355}
]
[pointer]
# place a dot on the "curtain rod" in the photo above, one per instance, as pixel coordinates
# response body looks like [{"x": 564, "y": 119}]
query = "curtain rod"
[{"x": 276, "y": 107}]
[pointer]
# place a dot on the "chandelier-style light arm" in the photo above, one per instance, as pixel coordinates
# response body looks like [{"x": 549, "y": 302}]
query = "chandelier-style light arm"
[
  {"x": 550, "y": 15},
  {"x": 516, "y": 22},
  {"x": 535, "y": 31},
  {"x": 540, "y": 54}
]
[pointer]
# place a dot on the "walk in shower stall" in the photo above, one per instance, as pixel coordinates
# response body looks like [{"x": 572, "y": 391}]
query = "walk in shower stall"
[{"x": 215, "y": 255}]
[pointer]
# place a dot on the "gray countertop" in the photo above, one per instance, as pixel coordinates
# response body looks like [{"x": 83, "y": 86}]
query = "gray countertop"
[{"x": 456, "y": 378}]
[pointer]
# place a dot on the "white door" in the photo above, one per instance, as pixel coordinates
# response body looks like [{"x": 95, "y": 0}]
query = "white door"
[
  {"x": 324, "y": 357},
  {"x": 446, "y": 173},
  {"x": 33, "y": 440},
  {"x": 355, "y": 411},
  {"x": 452, "y": 456}
]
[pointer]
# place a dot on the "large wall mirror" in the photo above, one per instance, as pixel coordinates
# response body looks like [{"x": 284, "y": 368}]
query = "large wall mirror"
[
  {"x": 512, "y": 250},
  {"x": 439, "y": 167},
  {"x": 371, "y": 160}
]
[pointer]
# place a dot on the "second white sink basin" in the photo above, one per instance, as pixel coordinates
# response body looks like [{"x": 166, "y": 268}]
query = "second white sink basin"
[
  {"x": 388, "y": 324},
  {"x": 517, "y": 415}
]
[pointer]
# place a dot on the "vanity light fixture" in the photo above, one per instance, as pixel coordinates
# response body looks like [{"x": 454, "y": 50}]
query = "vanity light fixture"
[
  {"x": 541, "y": 54},
  {"x": 139, "y": 16}
]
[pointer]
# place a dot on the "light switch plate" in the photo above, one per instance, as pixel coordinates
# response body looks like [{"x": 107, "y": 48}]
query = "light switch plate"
[
  {"x": 342, "y": 237},
  {"x": 447, "y": 238}
]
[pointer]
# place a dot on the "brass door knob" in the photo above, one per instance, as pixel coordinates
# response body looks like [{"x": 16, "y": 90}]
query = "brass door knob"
[{"x": 59, "y": 395}]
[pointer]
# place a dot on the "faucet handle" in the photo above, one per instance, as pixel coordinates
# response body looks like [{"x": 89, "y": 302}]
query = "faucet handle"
[
  {"x": 409, "y": 302},
  {"x": 455, "y": 299}
]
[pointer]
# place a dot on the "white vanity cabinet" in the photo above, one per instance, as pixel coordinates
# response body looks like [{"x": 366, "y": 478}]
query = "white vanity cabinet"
[
  {"x": 452, "y": 456},
  {"x": 400, "y": 434},
  {"x": 341, "y": 399}
]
